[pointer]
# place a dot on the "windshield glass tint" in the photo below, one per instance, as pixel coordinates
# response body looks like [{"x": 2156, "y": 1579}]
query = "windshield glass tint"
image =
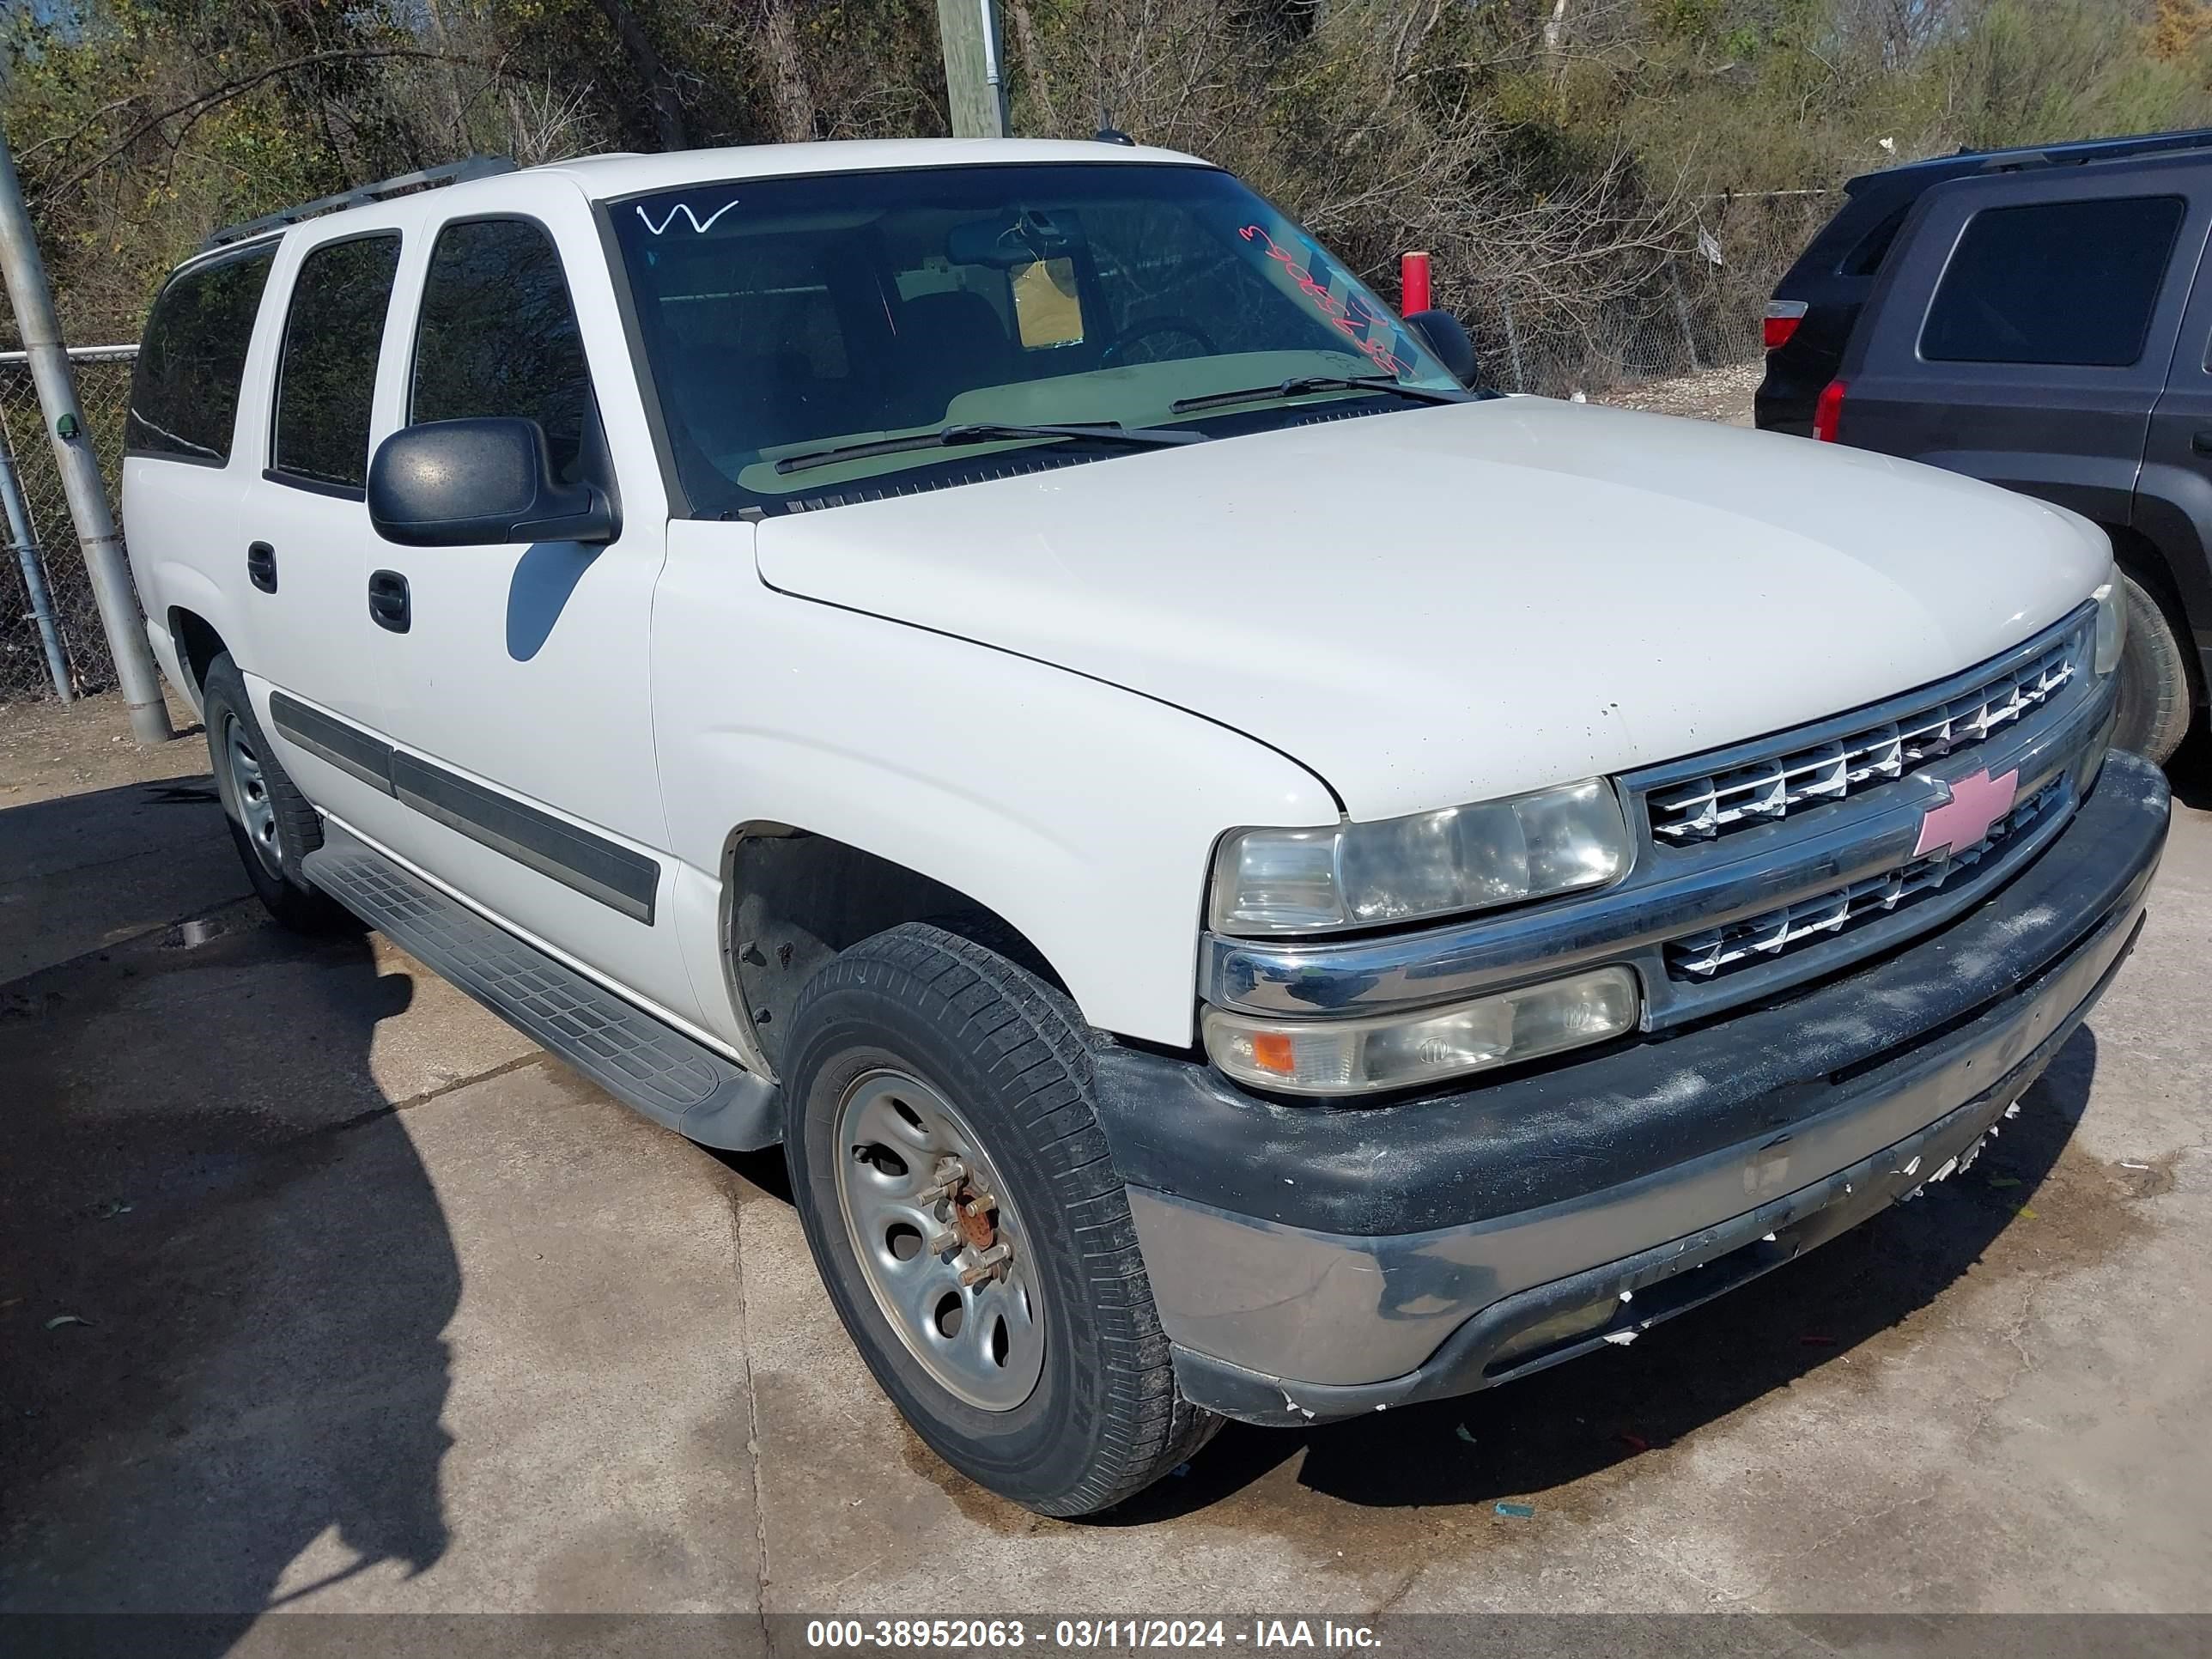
[{"x": 783, "y": 316}]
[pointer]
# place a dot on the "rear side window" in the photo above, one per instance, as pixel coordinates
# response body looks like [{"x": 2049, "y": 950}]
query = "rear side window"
[
  {"x": 327, "y": 378},
  {"x": 2065, "y": 282},
  {"x": 1865, "y": 258},
  {"x": 184, "y": 391},
  {"x": 498, "y": 334}
]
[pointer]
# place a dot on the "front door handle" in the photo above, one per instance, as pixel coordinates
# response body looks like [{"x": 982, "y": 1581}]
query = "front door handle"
[
  {"x": 387, "y": 600},
  {"x": 261, "y": 566}
]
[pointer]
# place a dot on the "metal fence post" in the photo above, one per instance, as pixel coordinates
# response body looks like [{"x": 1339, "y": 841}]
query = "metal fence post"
[
  {"x": 79, "y": 466},
  {"x": 1513, "y": 344},
  {"x": 35, "y": 574},
  {"x": 1682, "y": 316}
]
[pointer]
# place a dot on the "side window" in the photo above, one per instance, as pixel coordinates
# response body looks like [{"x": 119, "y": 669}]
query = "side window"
[
  {"x": 327, "y": 376},
  {"x": 498, "y": 334},
  {"x": 1865, "y": 258},
  {"x": 183, "y": 391},
  {"x": 2067, "y": 283}
]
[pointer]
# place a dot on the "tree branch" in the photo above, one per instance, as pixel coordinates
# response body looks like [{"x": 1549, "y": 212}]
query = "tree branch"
[{"x": 204, "y": 103}]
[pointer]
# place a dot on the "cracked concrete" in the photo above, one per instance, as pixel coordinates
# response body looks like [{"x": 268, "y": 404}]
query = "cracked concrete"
[{"x": 388, "y": 1310}]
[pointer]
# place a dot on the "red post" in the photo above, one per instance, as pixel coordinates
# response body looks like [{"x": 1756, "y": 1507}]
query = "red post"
[{"x": 1412, "y": 284}]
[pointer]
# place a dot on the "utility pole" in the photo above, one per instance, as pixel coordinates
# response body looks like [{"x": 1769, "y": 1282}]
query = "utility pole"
[
  {"x": 79, "y": 466},
  {"x": 974, "y": 85}
]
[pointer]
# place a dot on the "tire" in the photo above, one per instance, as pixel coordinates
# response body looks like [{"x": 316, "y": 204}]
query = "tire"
[
  {"x": 2158, "y": 691},
  {"x": 271, "y": 823},
  {"x": 1082, "y": 1411}
]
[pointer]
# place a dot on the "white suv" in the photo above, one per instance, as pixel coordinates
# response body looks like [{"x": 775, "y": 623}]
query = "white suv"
[{"x": 1248, "y": 879}]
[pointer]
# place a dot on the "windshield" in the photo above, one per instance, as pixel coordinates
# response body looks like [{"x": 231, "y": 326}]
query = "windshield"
[{"x": 785, "y": 317}]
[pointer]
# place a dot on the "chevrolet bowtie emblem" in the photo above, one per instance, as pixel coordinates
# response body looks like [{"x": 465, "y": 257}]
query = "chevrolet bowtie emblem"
[{"x": 1976, "y": 802}]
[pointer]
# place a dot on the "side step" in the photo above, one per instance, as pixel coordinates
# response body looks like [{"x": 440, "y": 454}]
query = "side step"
[{"x": 662, "y": 1073}]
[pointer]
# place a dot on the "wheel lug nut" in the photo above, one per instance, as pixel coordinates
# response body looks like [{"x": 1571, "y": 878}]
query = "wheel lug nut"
[{"x": 986, "y": 1265}]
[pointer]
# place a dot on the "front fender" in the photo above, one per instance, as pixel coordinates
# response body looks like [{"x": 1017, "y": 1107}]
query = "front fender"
[{"x": 1083, "y": 814}]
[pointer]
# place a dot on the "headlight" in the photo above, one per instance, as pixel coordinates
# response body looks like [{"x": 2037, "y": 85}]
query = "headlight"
[
  {"x": 1400, "y": 1051},
  {"x": 1432, "y": 864},
  {"x": 2111, "y": 621}
]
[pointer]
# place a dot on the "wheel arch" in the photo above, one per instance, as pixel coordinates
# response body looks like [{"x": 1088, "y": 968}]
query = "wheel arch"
[
  {"x": 793, "y": 898},
  {"x": 198, "y": 644},
  {"x": 2170, "y": 530}
]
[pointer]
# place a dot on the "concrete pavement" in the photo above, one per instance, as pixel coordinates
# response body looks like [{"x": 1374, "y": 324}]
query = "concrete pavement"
[{"x": 386, "y": 1310}]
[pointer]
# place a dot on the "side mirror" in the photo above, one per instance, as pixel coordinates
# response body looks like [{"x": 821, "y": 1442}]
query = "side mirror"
[
  {"x": 1447, "y": 339},
  {"x": 458, "y": 484}
]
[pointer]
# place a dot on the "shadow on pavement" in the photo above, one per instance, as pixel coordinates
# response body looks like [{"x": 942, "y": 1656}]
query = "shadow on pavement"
[
  {"x": 224, "y": 1273},
  {"x": 1531, "y": 1438},
  {"x": 80, "y": 871}
]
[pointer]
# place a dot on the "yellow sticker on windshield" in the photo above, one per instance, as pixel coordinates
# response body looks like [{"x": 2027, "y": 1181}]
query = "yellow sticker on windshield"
[{"x": 1046, "y": 308}]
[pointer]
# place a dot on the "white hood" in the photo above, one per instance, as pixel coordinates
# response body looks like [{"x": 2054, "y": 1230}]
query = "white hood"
[{"x": 1444, "y": 604}]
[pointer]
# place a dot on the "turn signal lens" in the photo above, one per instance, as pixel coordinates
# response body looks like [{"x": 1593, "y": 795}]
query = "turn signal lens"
[
  {"x": 2112, "y": 624},
  {"x": 1403, "y": 1051}
]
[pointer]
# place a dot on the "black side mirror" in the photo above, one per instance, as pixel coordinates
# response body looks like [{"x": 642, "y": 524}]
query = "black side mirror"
[
  {"x": 1447, "y": 339},
  {"x": 457, "y": 484}
]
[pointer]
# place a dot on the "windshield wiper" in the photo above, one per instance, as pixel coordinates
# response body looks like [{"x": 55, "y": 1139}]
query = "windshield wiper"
[
  {"x": 988, "y": 432},
  {"x": 1304, "y": 384}
]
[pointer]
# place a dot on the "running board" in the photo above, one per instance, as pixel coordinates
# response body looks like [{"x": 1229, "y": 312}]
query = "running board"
[{"x": 675, "y": 1081}]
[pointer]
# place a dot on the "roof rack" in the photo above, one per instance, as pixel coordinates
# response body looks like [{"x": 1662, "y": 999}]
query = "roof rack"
[{"x": 453, "y": 173}]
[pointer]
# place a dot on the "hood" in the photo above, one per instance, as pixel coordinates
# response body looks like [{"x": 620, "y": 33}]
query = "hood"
[{"x": 1444, "y": 604}]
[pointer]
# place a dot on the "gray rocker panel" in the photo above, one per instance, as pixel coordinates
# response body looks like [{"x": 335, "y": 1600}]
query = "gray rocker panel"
[{"x": 643, "y": 1063}]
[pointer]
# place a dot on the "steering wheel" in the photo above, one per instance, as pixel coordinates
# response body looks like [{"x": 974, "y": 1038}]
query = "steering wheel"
[{"x": 1143, "y": 331}]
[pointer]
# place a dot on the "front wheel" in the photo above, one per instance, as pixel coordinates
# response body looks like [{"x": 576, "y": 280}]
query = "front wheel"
[
  {"x": 964, "y": 1209},
  {"x": 2158, "y": 688}
]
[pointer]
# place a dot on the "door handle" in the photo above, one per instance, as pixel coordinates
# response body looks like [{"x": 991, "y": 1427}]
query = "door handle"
[
  {"x": 2201, "y": 442},
  {"x": 387, "y": 600},
  {"x": 261, "y": 566}
]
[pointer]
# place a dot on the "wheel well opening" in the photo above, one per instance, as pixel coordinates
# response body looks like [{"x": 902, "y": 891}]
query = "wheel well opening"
[
  {"x": 795, "y": 900},
  {"x": 2139, "y": 557},
  {"x": 198, "y": 644}
]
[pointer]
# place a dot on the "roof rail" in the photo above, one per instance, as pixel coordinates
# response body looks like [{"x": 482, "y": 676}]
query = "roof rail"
[{"x": 453, "y": 173}]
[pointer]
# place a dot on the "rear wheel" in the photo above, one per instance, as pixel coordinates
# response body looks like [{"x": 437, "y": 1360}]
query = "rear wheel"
[
  {"x": 271, "y": 821},
  {"x": 2158, "y": 682},
  {"x": 964, "y": 1209}
]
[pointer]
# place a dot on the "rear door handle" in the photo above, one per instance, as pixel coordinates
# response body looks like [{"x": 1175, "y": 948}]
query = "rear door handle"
[
  {"x": 387, "y": 600},
  {"x": 261, "y": 566},
  {"x": 2201, "y": 442}
]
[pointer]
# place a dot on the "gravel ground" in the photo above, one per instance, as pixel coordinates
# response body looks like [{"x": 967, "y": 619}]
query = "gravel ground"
[{"x": 1723, "y": 394}]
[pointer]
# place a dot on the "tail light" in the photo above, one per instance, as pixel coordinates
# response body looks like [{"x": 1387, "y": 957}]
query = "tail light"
[
  {"x": 1828, "y": 413},
  {"x": 1783, "y": 317}
]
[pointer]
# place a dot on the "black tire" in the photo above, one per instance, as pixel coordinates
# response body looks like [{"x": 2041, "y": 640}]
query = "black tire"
[
  {"x": 1104, "y": 1419},
  {"x": 2158, "y": 687},
  {"x": 293, "y": 828}
]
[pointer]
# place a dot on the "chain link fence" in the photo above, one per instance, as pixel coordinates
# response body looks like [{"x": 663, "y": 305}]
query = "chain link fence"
[
  {"x": 1647, "y": 314},
  {"x": 43, "y": 546}
]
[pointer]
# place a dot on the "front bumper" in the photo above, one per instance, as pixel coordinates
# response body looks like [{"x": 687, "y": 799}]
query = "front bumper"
[{"x": 1312, "y": 1262}]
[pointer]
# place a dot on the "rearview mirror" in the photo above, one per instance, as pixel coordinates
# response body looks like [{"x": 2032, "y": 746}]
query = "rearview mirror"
[
  {"x": 459, "y": 484},
  {"x": 1010, "y": 241},
  {"x": 1446, "y": 338}
]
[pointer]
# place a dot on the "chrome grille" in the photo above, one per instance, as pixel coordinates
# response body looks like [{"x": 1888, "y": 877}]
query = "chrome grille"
[
  {"x": 1701, "y": 956},
  {"x": 1773, "y": 787}
]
